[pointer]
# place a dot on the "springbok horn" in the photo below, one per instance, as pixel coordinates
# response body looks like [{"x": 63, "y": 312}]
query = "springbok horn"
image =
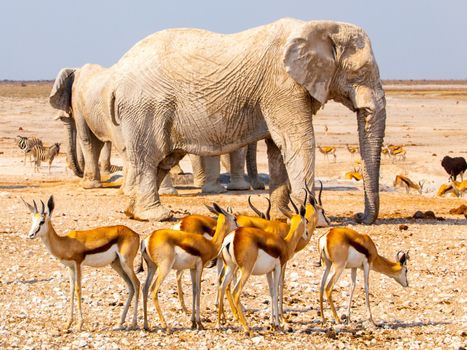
[
  {"x": 260, "y": 214},
  {"x": 42, "y": 207},
  {"x": 293, "y": 204},
  {"x": 311, "y": 198},
  {"x": 268, "y": 211},
  {"x": 35, "y": 207},
  {"x": 29, "y": 206}
]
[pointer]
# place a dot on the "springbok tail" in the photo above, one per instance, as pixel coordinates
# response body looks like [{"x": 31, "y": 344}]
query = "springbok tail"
[{"x": 140, "y": 267}]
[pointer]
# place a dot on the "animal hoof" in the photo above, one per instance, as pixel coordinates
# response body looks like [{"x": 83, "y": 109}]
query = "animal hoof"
[
  {"x": 89, "y": 184},
  {"x": 159, "y": 213},
  {"x": 240, "y": 185},
  {"x": 168, "y": 191},
  {"x": 213, "y": 188}
]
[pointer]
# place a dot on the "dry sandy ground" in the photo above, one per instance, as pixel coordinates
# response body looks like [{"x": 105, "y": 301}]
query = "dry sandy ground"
[{"x": 430, "y": 314}]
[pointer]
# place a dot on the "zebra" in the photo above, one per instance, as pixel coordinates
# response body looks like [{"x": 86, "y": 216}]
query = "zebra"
[
  {"x": 42, "y": 154},
  {"x": 26, "y": 144}
]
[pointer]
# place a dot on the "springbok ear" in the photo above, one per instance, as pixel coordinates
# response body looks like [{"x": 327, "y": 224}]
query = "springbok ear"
[
  {"x": 309, "y": 57},
  {"x": 402, "y": 257},
  {"x": 60, "y": 96},
  {"x": 302, "y": 211},
  {"x": 219, "y": 210},
  {"x": 50, "y": 205},
  {"x": 211, "y": 209}
]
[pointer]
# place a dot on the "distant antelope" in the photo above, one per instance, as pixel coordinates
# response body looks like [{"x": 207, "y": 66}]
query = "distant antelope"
[
  {"x": 459, "y": 187},
  {"x": 168, "y": 249},
  {"x": 343, "y": 248},
  {"x": 404, "y": 181},
  {"x": 399, "y": 152},
  {"x": 26, "y": 144},
  {"x": 446, "y": 188},
  {"x": 116, "y": 246},
  {"x": 352, "y": 150},
  {"x": 327, "y": 150},
  {"x": 42, "y": 154},
  {"x": 354, "y": 175}
]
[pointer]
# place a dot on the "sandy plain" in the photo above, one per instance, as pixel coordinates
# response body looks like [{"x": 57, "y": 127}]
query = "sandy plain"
[{"x": 430, "y": 119}]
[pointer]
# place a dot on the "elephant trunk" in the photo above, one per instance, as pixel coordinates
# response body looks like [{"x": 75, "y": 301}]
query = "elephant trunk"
[
  {"x": 71, "y": 149},
  {"x": 371, "y": 128}
]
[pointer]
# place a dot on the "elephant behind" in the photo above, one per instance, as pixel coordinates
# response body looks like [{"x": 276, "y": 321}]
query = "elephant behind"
[{"x": 184, "y": 91}]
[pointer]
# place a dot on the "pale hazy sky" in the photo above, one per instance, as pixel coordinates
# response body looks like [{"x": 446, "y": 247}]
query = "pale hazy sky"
[{"x": 412, "y": 39}]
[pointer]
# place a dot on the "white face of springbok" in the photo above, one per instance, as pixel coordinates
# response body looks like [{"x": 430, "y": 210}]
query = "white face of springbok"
[{"x": 40, "y": 218}]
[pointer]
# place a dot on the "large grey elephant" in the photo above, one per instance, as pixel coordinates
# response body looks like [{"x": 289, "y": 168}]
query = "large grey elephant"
[{"x": 184, "y": 91}]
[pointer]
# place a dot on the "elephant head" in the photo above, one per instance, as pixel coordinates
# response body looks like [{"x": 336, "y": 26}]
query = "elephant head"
[
  {"x": 335, "y": 61},
  {"x": 60, "y": 98}
]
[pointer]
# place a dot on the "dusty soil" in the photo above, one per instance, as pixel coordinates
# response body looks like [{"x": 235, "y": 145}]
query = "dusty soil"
[{"x": 430, "y": 314}]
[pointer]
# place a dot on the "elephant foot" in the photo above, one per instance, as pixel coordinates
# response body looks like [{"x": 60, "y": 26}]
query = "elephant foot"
[
  {"x": 238, "y": 185},
  {"x": 213, "y": 188},
  {"x": 168, "y": 191},
  {"x": 88, "y": 184},
  {"x": 257, "y": 184},
  {"x": 158, "y": 213}
]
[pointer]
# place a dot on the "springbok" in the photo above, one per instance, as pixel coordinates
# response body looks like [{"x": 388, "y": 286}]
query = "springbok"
[
  {"x": 404, "y": 181},
  {"x": 327, "y": 150},
  {"x": 343, "y": 248},
  {"x": 116, "y": 246},
  {"x": 168, "y": 249},
  {"x": 352, "y": 150},
  {"x": 253, "y": 251}
]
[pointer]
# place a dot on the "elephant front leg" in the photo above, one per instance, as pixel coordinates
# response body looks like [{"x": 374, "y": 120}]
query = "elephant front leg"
[
  {"x": 237, "y": 173},
  {"x": 290, "y": 170},
  {"x": 278, "y": 183},
  {"x": 206, "y": 172}
]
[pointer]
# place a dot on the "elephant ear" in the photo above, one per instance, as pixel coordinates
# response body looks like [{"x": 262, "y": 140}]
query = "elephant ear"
[
  {"x": 60, "y": 96},
  {"x": 310, "y": 58}
]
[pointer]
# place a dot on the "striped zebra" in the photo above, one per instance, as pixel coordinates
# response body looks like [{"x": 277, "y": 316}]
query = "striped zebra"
[
  {"x": 114, "y": 168},
  {"x": 26, "y": 144},
  {"x": 42, "y": 154}
]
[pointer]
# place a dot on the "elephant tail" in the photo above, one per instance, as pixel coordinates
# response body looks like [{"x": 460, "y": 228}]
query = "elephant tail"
[{"x": 113, "y": 110}]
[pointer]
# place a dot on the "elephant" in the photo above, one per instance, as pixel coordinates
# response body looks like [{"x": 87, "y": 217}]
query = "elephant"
[
  {"x": 182, "y": 91},
  {"x": 206, "y": 171},
  {"x": 75, "y": 157}
]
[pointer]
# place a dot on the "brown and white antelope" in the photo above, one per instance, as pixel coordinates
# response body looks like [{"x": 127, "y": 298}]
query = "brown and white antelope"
[
  {"x": 253, "y": 251},
  {"x": 343, "y": 248},
  {"x": 116, "y": 246},
  {"x": 405, "y": 182},
  {"x": 327, "y": 150},
  {"x": 168, "y": 249},
  {"x": 459, "y": 187},
  {"x": 353, "y": 149},
  {"x": 445, "y": 189},
  {"x": 353, "y": 175}
]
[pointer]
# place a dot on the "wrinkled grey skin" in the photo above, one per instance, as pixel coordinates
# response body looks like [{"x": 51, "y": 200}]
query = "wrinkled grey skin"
[
  {"x": 206, "y": 171},
  {"x": 76, "y": 158},
  {"x": 184, "y": 91}
]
